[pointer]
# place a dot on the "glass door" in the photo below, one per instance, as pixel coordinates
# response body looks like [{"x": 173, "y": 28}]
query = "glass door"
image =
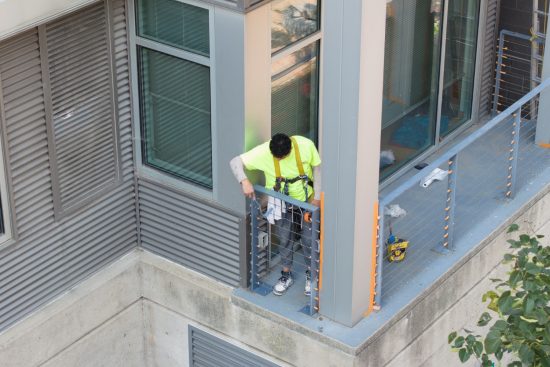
[
  {"x": 460, "y": 58},
  {"x": 411, "y": 78},
  {"x": 428, "y": 75}
]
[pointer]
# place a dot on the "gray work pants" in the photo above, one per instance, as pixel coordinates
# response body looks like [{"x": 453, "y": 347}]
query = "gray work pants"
[{"x": 286, "y": 229}]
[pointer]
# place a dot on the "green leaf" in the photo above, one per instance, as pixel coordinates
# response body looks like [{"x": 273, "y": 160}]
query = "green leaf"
[
  {"x": 544, "y": 358},
  {"x": 499, "y": 353},
  {"x": 515, "y": 278},
  {"x": 542, "y": 317},
  {"x": 505, "y": 302},
  {"x": 515, "y": 364},
  {"x": 492, "y": 342},
  {"x": 489, "y": 295},
  {"x": 500, "y": 325},
  {"x": 452, "y": 337},
  {"x": 463, "y": 355},
  {"x": 478, "y": 348},
  {"x": 540, "y": 236},
  {"x": 513, "y": 227},
  {"x": 484, "y": 319},
  {"x": 526, "y": 354},
  {"x": 524, "y": 239},
  {"x": 514, "y": 243},
  {"x": 528, "y": 305},
  {"x": 470, "y": 339},
  {"x": 532, "y": 268},
  {"x": 508, "y": 257},
  {"x": 459, "y": 342}
]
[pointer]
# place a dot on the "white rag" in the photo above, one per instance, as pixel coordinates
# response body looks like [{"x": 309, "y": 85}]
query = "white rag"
[{"x": 274, "y": 210}]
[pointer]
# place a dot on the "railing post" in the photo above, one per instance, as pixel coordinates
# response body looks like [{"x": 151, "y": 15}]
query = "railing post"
[
  {"x": 381, "y": 251},
  {"x": 314, "y": 264},
  {"x": 513, "y": 156},
  {"x": 255, "y": 284},
  {"x": 498, "y": 72},
  {"x": 450, "y": 204},
  {"x": 254, "y": 211}
]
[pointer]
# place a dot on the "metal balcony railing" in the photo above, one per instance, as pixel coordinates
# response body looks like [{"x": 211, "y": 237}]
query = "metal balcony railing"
[
  {"x": 301, "y": 226},
  {"x": 476, "y": 176}
]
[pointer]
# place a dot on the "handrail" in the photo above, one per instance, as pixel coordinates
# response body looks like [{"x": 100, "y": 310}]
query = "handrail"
[
  {"x": 285, "y": 198},
  {"x": 450, "y": 158},
  {"x": 310, "y": 232},
  {"x": 410, "y": 182}
]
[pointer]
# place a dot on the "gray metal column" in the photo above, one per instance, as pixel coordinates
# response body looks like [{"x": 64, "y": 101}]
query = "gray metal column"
[
  {"x": 352, "y": 83},
  {"x": 542, "y": 136},
  {"x": 229, "y": 107}
]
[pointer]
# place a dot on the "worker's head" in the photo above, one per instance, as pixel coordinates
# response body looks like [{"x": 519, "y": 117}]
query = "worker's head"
[{"x": 280, "y": 145}]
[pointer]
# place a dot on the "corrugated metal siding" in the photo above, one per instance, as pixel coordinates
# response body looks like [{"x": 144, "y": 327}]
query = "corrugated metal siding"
[
  {"x": 489, "y": 58},
  {"x": 80, "y": 79},
  {"x": 49, "y": 256},
  {"x": 206, "y": 350},
  {"x": 190, "y": 232}
]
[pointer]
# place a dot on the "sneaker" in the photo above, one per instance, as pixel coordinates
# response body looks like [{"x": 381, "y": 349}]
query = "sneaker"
[
  {"x": 307, "y": 288},
  {"x": 284, "y": 282}
]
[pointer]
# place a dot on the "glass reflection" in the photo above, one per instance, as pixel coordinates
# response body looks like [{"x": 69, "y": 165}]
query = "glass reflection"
[
  {"x": 295, "y": 93},
  {"x": 411, "y": 75},
  {"x": 292, "y": 20},
  {"x": 460, "y": 58}
]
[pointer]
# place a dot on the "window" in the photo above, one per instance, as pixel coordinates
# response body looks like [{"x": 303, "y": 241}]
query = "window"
[
  {"x": 173, "y": 50},
  {"x": 429, "y": 66},
  {"x": 295, "y": 44}
]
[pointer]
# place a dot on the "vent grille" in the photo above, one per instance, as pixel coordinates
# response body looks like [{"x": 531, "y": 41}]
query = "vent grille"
[{"x": 206, "y": 350}]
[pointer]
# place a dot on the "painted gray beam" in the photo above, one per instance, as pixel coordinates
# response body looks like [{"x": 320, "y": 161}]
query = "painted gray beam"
[
  {"x": 542, "y": 136},
  {"x": 352, "y": 77},
  {"x": 229, "y": 68}
]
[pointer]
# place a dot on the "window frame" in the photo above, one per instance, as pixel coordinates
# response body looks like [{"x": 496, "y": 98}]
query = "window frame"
[
  {"x": 6, "y": 205},
  {"x": 315, "y": 37},
  {"x": 142, "y": 169}
]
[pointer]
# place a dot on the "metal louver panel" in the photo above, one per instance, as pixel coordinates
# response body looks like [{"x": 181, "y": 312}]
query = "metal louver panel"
[
  {"x": 206, "y": 350},
  {"x": 489, "y": 57},
  {"x": 82, "y": 104},
  {"x": 25, "y": 125},
  {"x": 49, "y": 258},
  {"x": 190, "y": 232},
  {"x": 122, "y": 84}
]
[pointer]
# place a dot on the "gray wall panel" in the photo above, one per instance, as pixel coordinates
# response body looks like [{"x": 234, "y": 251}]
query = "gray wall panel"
[
  {"x": 189, "y": 231},
  {"x": 51, "y": 256}
]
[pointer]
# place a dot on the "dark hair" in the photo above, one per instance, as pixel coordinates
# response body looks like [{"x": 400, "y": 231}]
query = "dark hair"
[{"x": 280, "y": 145}]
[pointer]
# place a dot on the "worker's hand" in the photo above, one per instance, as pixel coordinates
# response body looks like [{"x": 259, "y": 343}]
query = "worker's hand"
[
  {"x": 316, "y": 202},
  {"x": 248, "y": 189}
]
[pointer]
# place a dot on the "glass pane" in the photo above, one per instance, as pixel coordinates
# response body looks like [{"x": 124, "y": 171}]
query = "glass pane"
[
  {"x": 175, "y": 116},
  {"x": 292, "y": 20},
  {"x": 175, "y": 24},
  {"x": 295, "y": 93},
  {"x": 411, "y": 74},
  {"x": 460, "y": 59}
]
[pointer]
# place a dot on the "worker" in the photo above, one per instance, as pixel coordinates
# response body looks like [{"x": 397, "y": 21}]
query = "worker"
[{"x": 279, "y": 160}]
